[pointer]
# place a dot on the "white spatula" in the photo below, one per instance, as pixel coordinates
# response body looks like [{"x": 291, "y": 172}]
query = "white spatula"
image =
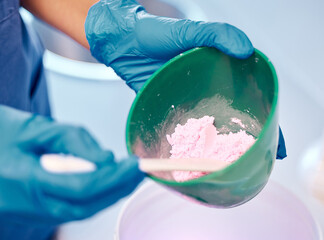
[{"x": 58, "y": 163}]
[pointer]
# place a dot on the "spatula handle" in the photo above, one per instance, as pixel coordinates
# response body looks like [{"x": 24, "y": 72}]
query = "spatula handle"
[
  {"x": 57, "y": 163},
  {"x": 191, "y": 164}
]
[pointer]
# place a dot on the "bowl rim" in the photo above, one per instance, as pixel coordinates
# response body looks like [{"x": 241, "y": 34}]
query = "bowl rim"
[{"x": 228, "y": 168}]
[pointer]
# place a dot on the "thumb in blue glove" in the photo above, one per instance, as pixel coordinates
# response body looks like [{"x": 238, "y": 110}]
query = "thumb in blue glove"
[
  {"x": 121, "y": 34},
  {"x": 32, "y": 198}
]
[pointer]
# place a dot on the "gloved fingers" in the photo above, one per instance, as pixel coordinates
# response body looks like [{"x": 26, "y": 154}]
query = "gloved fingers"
[
  {"x": 110, "y": 179},
  {"x": 136, "y": 85},
  {"x": 222, "y": 36},
  {"x": 163, "y": 38},
  {"x": 64, "y": 211},
  {"x": 42, "y": 135},
  {"x": 157, "y": 37},
  {"x": 77, "y": 196},
  {"x": 127, "y": 69},
  {"x": 78, "y": 142},
  {"x": 281, "y": 152}
]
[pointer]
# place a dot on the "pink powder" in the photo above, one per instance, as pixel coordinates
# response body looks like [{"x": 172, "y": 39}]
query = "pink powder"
[{"x": 198, "y": 138}]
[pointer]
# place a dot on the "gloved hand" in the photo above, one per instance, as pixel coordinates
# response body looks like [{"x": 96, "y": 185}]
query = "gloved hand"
[
  {"x": 281, "y": 151},
  {"x": 34, "y": 201},
  {"x": 121, "y": 34}
]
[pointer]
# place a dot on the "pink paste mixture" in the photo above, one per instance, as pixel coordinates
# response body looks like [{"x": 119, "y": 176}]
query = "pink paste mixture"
[{"x": 198, "y": 138}]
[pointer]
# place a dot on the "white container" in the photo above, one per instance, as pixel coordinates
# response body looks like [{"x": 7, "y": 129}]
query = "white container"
[{"x": 154, "y": 213}]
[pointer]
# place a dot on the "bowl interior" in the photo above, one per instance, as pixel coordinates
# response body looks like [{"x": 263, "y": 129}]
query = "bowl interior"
[{"x": 202, "y": 81}]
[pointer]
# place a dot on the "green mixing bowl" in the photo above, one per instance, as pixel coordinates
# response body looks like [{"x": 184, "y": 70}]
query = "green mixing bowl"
[{"x": 205, "y": 81}]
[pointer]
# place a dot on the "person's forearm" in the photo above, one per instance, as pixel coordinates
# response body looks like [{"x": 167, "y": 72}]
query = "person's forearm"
[{"x": 66, "y": 15}]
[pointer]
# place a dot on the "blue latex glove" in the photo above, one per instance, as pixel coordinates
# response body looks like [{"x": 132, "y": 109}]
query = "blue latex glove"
[
  {"x": 281, "y": 152},
  {"x": 33, "y": 201},
  {"x": 121, "y": 34}
]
